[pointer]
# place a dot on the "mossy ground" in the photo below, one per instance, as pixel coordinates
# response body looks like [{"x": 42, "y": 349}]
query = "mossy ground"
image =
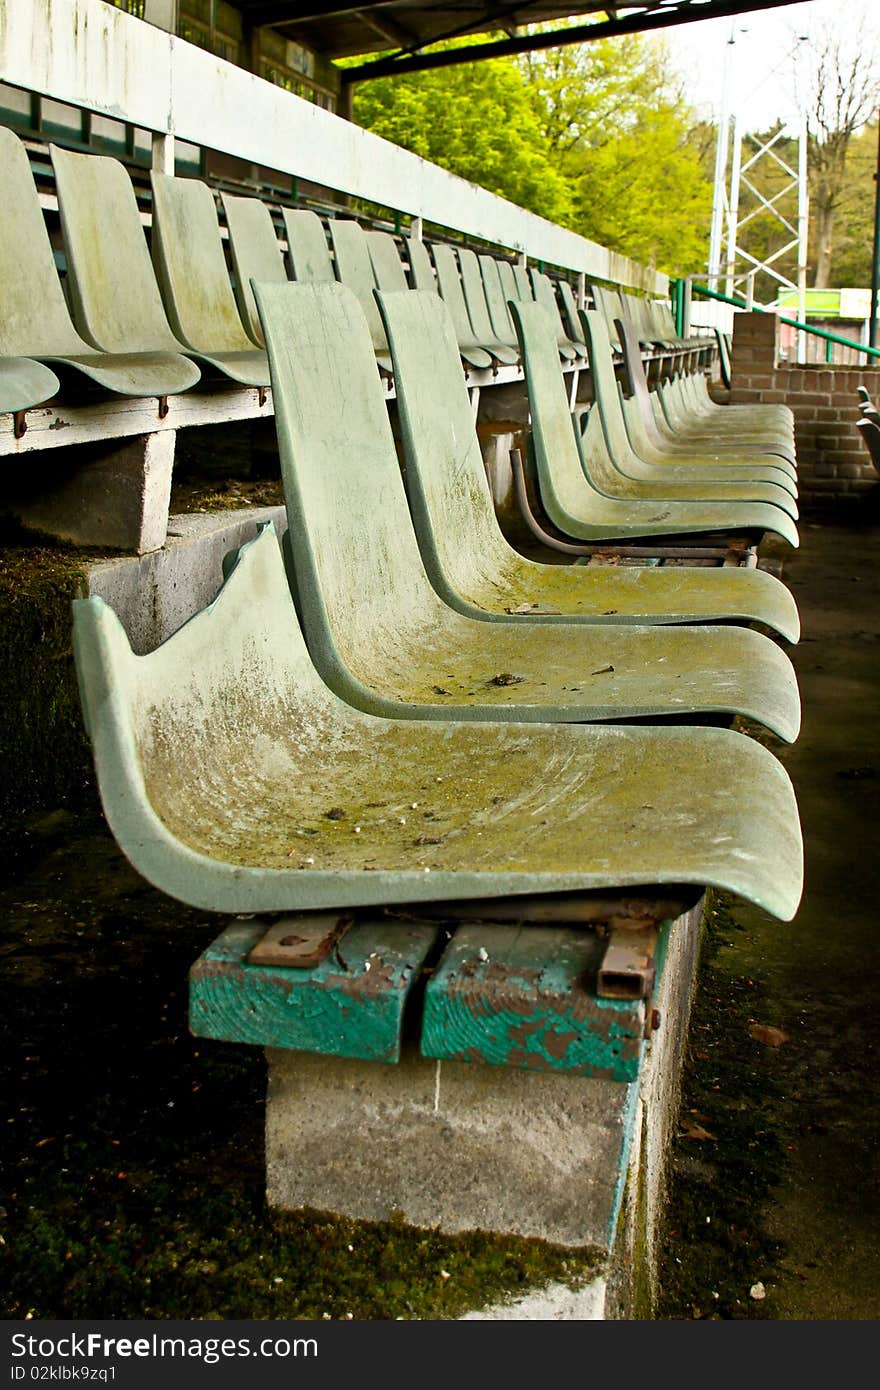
[
  {"x": 731, "y": 1148},
  {"x": 134, "y": 1152}
]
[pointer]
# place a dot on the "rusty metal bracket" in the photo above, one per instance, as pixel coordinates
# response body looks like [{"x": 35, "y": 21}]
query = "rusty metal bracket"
[
  {"x": 163, "y": 407},
  {"x": 628, "y": 968},
  {"x": 261, "y": 396},
  {"x": 19, "y": 424},
  {"x": 300, "y": 940}
]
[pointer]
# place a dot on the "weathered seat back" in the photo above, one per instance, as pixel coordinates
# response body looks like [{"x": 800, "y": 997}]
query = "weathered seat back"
[
  {"x": 194, "y": 279},
  {"x": 468, "y": 559},
  {"x": 449, "y": 282},
  {"x": 307, "y": 249},
  {"x": 355, "y": 269},
  {"x": 388, "y": 268},
  {"x": 34, "y": 317},
  {"x": 564, "y": 464},
  {"x": 256, "y": 254},
  {"x": 377, "y": 630},
  {"x": 572, "y": 317},
  {"x": 478, "y": 309},
  {"x": 421, "y": 269},
  {"x": 113, "y": 290},
  {"x": 544, "y": 293},
  {"x": 497, "y": 300},
  {"x": 608, "y": 304}
]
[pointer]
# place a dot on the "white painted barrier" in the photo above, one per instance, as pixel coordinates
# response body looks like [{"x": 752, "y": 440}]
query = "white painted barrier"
[{"x": 101, "y": 59}]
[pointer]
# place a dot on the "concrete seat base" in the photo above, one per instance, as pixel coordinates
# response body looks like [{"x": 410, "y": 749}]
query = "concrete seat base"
[{"x": 456, "y": 1146}]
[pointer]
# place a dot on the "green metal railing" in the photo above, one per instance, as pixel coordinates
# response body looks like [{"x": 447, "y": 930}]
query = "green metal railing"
[{"x": 678, "y": 300}]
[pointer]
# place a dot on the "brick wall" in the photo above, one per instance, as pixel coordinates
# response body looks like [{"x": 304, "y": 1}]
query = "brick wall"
[{"x": 833, "y": 464}]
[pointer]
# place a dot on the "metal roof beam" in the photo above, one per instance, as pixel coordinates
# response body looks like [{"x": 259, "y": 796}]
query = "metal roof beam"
[{"x": 685, "y": 13}]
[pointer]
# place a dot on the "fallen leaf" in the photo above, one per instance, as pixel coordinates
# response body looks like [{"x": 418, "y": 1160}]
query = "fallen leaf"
[
  {"x": 768, "y": 1035},
  {"x": 693, "y": 1131},
  {"x": 534, "y": 608}
]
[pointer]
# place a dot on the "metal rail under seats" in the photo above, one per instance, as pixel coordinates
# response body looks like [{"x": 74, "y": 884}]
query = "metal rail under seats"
[
  {"x": 696, "y": 435},
  {"x": 542, "y": 287},
  {"x": 478, "y": 309},
  {"x": 355, "y": 269},
  {"x": 112, "y": 287},
  {"x": 471, "y": 564},
  {"x": 661, "y": 475},
  {"x": 449, "y": 285},
  {"x": 34, "y": 318},
  {"x": 570, "y": 499},
  {"x": 421, "y": 270},
  {"x": 256, "y": 254},
  {"x": 307, "y": 248},
  {"x": 194, "y": 280},
  {"x": 382, "y": 637},
  {"x": 234, "y": 780},
  {"x": 723, "y": 343}
]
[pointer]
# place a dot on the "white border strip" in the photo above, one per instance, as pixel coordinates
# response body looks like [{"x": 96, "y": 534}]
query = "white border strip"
[{"x": 93, "y": 56}]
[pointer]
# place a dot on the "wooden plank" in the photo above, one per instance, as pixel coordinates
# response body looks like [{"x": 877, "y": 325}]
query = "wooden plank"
[
  {"x": 526, "y": 997},
  {"x": 350, "y": 1005},
  {"x": 57, "y": 425}
]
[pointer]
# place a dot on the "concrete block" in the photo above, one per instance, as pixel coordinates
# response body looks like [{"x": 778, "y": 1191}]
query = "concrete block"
[
  {"x": 155, "y": 594},
  {"x": 458, "y": 1146},
  {"x": 102, "y": 494}
]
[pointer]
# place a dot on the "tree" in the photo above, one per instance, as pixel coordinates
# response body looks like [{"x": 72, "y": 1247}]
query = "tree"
[
  {"x": 593, "y": 136},
  {"x": 854, "y": 218},
  {"x": 840, "y": 88},
  {"x": 478, "y": 121},
  {"x": 617, "y": 121}
]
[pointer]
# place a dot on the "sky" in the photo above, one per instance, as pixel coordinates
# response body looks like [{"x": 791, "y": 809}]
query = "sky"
[{"x": 763, "y": 56}]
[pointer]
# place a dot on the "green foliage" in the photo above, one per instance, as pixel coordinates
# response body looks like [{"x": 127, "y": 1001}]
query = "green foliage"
[
  {"x": 594, "y": 137},
  {"x": 853, "y": 241},
  {"x": 477, "y": 120}
]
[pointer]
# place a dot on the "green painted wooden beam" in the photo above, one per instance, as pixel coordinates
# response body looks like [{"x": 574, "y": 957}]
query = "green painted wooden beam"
[
  {"x": 526, "y": 997},
  {"x": 350, "y": 1005}
]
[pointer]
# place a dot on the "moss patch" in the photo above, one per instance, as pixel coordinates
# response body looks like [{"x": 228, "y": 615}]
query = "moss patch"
[
  {"x": 134, "y": 1153},
  {"x": 47, "y": 761}
]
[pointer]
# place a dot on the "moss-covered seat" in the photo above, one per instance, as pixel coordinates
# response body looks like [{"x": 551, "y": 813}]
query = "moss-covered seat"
[
  {"x": 234, "y": 780},
  {"x": 378, "y": 632},
  {"x": 568, "y": 468},
  {"x": 470, "y": 562}
]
